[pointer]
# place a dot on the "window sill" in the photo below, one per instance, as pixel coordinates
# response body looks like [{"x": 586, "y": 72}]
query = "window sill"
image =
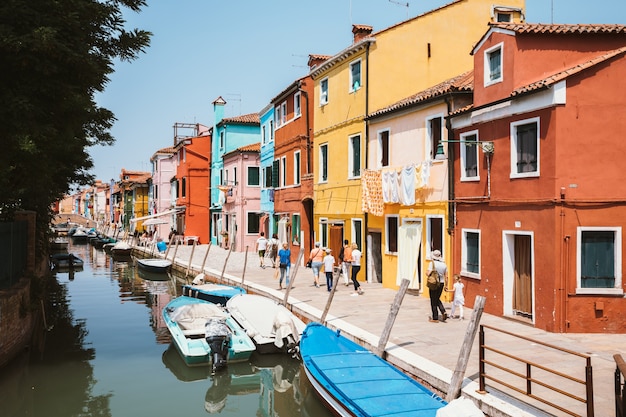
[
  {"x": 472, "y": 275},
  {"x": 600, "y": 291}
]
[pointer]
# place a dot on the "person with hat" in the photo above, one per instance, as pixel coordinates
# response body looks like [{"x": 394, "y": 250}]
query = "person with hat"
[
  {"x": 329, "y": 266},
  {"x": 438, "y": 267}
]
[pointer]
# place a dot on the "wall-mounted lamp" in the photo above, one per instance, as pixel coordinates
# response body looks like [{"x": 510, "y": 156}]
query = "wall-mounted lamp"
[
  {"x": 487, "y": 146},
  {"x": 440, "y": 154}
]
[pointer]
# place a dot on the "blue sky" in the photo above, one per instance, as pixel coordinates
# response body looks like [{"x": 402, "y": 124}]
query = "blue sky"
[{"x": 248, "y": 51}]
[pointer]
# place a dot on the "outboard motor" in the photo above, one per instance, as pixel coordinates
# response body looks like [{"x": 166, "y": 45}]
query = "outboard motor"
[{"x": 217, "y": 335}]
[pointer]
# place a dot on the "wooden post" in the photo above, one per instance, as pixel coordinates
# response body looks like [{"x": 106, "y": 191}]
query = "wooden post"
[
  {"x": 205, "y": 256},
  {"x": 175, "y": 249},
  {"x": 331, "y": 295},
  {"x": 230, "y": 248},
  {"x": 292, "y": 275},
  {"x": 190, "y": 258},
  {"x": 245, "y": 264},
  {"x": 169, "y": 245},
  {"x": 470, "y": 333},
  {"x": 391, "y": 318}
]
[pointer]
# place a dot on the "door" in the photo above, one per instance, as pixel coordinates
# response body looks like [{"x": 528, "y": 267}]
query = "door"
[
  {"x": 522, "y": 277},
  {"x": 335, "y": 239},
  {"x": 374, "y": 252}
]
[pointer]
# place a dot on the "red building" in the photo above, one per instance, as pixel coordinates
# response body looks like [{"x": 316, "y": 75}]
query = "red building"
[{"x": 536, "y": 165}]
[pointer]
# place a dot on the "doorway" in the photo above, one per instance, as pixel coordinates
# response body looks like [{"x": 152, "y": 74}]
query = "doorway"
[
  {"x": 375, "y": 254},
  {"x": 518, "y": 267}
]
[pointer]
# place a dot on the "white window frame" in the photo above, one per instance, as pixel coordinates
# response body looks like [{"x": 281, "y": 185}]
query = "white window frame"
[
  {"x": 248, "y": 212},
  {"x": 323, "y": 231},
  {"x": 283, "y": 171},
  {"x": 379, "y": 163},
  {"x": 283, "y": 112},
  {"x": 464, "y": 148},
  {"x": 429, "y": 234},
  {"x": 387, "y": 217},
  {"x": 513, "y": 137},
  {"x": 352, "y": 157},
  {"x": 278, "y": 116},
  {"x": 617, "y": 289},
  {"x": 297, "y": 161},
  {"x": 323, "y": 91},
  {"x": 464, "y": 270},
  {"x": 297, "y": 105},
  {"x": 488, "y": 80},
  {"x": 222, "y": 138},
  {"x": 352, "y": 88},
  {"x": 357, "y": 224},
  {"x": 271, "y": 130},
  {"x": 264, "y": 134},
  {"x": 248, "y": 167},
  {"x": 323, "y": 163},
  {"x": 431, "y": 150}
]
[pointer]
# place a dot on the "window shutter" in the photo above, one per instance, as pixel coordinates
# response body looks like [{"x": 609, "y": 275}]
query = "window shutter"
[{"x": 275, "y": 173}]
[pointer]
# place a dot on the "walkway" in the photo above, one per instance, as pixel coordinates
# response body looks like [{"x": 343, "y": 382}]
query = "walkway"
[{"x": 427, "y": 350}]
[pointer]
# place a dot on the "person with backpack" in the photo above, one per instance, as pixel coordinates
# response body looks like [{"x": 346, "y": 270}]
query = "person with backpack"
[{"x": 439, "y": 270}]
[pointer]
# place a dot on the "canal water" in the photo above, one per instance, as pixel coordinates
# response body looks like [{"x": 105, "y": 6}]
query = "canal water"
[{"x": 105, "y": 351}]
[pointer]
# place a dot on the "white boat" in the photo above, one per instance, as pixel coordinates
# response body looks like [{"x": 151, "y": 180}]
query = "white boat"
[
  {"x": 121, "y": 250},
  {"x": 271, "y": 326},
  {"x": 154, "y": 265}
]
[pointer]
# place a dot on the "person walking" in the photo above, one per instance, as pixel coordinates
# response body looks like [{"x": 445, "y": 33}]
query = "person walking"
[
  {"x": 316, "y": 257},
  {"x": 272, "y": 249},
  {"x": 438, "y": 267},
  {"x": 356, "y": 267},
  {"x": 261, "y": 247},
  {"x": 345, "y": 261},
  {"x": 459, "y": 297},
  {"x": 284, "y": 259},
  {"x": 329, "y": 267}
]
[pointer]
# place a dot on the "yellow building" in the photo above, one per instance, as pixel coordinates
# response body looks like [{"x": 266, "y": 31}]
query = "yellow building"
[{"x": 377, "y": 70}]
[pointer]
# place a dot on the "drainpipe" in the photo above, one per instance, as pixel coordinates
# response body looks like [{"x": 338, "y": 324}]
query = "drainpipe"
[
  {"x": 450, "y": 166},
  {"x": 308, "y": 127},
  {"x": 368, "y": 272}
]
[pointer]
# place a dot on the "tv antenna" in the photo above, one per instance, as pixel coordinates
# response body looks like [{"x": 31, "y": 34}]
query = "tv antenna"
[{"x": 398, "y": 3}]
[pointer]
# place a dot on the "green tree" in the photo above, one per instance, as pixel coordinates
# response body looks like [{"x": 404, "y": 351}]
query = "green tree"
[{"x": 56, "y": 56}]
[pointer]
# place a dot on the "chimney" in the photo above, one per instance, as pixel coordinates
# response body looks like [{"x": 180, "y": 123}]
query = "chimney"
[
  {"x": 361, "y": 31},
  {"x": 316, "y": 60}
]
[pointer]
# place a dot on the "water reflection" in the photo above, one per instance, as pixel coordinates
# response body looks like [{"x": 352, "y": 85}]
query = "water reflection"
[{"x": 102, "y": 350}]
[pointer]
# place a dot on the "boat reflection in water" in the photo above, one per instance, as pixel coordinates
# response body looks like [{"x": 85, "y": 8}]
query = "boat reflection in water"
[{"x": 269, "y": 384}]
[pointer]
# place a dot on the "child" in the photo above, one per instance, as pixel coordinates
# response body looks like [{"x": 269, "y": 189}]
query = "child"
[
  {"x": 329, "y": 265},
  {"x": 459, "y": 298}
]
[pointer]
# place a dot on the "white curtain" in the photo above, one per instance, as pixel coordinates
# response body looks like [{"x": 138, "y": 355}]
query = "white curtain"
[
  {"x": 282, "y": 230},
  {"x": 409, "y": 241}
]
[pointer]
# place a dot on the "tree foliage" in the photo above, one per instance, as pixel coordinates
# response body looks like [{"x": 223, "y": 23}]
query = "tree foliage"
[{"x": 56, "y": 56}]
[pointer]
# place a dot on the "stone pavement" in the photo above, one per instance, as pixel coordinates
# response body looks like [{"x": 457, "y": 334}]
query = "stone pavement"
[{"x": 429, "y": 351}]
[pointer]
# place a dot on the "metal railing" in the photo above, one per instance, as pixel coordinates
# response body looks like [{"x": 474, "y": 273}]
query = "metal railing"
[
  {"x": 535, "y": 375},
  {"x": 620, "y": 388}
]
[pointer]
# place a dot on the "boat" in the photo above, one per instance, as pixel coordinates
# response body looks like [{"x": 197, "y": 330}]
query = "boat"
[
  {"x": 204, "y": 333},
  {"x": 215, "y": 293},
  {"x": 59, "y": 244},
  {"x": 154, "y": 265},
  {"x": 353, "y": 381},
  {"x": 272, "y": 327},
  {"x": 121, "y": 251},
  {"x": 65, "y": 260},
  {"x": 80, "y": 235}
]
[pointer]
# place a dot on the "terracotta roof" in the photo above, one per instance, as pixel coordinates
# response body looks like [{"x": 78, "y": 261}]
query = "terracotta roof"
[
  {"x": 460, "y": 83},
  {"x": 255, "y": 147},
  {"x": 252, "y": 118},
  {"x": 559, "y": 76},
  {"x": 561, "y": 29}
]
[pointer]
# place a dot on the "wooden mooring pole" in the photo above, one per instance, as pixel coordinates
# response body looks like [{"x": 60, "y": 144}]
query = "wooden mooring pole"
[
  {"x": 391, "y": 318},
  {"x": 190, "y": 259},
  {"x": 206, "y": 255},
  {"x": 230, "y": 249},
  {"x": 292, "y": 275},
  {"x": 245, "y": 264},
  {"x": 331, "y": 295}
]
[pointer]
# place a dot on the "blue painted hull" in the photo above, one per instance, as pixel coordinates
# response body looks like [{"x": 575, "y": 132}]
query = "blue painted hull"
[
  {"x": 355, "y": 382},
  {"x": 214, "y": 293}
]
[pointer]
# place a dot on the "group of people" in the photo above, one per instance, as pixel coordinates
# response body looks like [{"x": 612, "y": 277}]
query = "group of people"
[
  {"x": 269, "y": 248},
  {"x": 349, "y": 261},
  {"x": 439, "y": 268}
]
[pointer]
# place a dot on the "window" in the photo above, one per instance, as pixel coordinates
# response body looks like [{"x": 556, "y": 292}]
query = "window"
[
  {"x": 226, "y": 176},
  {"x": 283, "y": 171},
  {"x": 434, "y": 128},
  {"x": 297, "y": 104},
  {"x": 296, "y": 167},
  {"x": 434, "y": 234},
  {"x": 324, "y": 91},
  {"x": 221, "y": 179},
  {"x": 525, "y": 148},
  {"x": 354, "y": 153},
  {"x": 295, "y": 229},
  {"x": 234, "y": 175},
  {"x": 323, "y": 232},
  {"x": 599, "y": 260},
  {"x": 278, "y": 116},
  {"x": 383, "y": 148},
  {"x": 222, "y": 139},
  {"x": 271, "y": 130},
  {"x": 155, "y": 191},
  {"x": 183, "y": 187},
  {"x": 323, "y": 162},
  {"x": 253, "y": 177},
  {"x": 283, "y": 113},
  {"x": 357, "y": 232},
  {"x": 503, "y": 17},
  {"x": 267, "y": 177},
  {"x": 253, "y": 223},
  {"x": 263, "y": 135},
  {"x": 469, "y": 156},
  {"x": 470, "y": 253},
  {"x": 275, "y": 173},
  {"x": 355, "y": 75},
  {"x": 391, "y": 230},
  {"x": 493, "y": 65}
]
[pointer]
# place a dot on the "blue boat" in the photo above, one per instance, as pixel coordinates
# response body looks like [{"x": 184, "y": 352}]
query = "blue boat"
[
  {"x": 214, "y": 293},
  {"x": 204, "y": 333},
  {"x": 353, "y": 381}
]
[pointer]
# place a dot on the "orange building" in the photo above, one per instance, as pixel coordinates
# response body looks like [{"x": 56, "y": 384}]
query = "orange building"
[{"x": 536, "y": 162}]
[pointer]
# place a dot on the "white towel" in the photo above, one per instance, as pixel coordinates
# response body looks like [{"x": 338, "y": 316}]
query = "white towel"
[
  {"x": 407, "y": 180},
  {"x": 390, "y": 186}
]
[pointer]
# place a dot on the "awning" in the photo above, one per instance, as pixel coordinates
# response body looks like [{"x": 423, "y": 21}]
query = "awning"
[{"x": 152, "y": 216}]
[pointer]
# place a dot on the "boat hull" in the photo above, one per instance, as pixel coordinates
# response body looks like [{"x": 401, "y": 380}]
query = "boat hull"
[
  {"x": 353, "y": 381},
  {"x": 214, "y": 293},
  {"x": 154, "y": 265}
]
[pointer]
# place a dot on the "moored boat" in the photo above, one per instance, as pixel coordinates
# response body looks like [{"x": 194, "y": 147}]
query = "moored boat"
[
  {"x": 154, "y": 265},
  {"x": 65, "y": 260},
  {"x": 121, "y": 251},
  {"x": 59, "y": 244},
  {"x": 272, "y": 327},
  {"x": 353, "y": 381},
  {"x": 214, "y": 293},
  {"x": 204, "y": 333}
]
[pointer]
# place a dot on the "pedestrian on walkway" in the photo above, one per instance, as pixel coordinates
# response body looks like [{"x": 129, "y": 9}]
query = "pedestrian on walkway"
[
  {"x": 329, "y": 267},
  {"x": 261, "y": 247},
  {"x": 345, "y": 261},
  {"x": 316, "y": 257},
  {"x": 459, "y": 297},
  {"x": 437, "y": 266},
  {"x": 272, "y": 249},
  {"x": 356, "y": 267},
  {"x": 284, "y": 259}
]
